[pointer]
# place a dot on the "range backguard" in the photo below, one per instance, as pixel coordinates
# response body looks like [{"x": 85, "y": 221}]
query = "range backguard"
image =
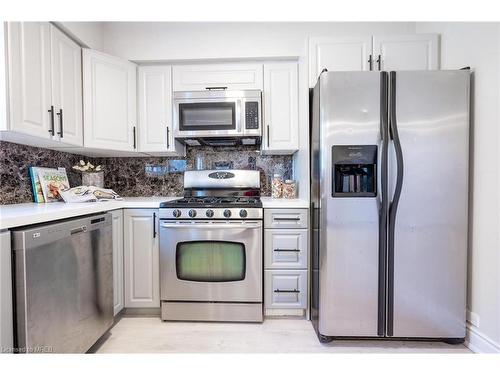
[{"x": 354, "y": 171}]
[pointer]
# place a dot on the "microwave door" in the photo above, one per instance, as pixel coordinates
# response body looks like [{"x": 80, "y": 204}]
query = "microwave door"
[{"x": 209, "y": 117}]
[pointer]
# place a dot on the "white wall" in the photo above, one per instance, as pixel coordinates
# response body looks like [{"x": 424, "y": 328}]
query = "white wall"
[
  {"x": 478, "y": 45},
  {"x": 176, "y": 41},
  {"x": 88, "y": 34},
  {"x": 194, "y": 40}
]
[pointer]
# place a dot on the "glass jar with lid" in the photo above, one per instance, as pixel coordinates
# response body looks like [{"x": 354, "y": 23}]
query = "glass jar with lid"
[
  {"x": 276, "y": 186},
  {"x": 289, "y": 189}
]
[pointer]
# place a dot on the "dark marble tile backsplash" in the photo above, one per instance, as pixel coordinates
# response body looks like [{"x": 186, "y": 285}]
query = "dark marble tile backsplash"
[
  {"x": 132, "y": 176},
  {"x": 15, "y": 161}
]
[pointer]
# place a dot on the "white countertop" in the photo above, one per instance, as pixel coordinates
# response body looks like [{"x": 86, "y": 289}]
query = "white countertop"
[
  {"x": 268, "y": 202},
  {"x": 16, "y": 215}
]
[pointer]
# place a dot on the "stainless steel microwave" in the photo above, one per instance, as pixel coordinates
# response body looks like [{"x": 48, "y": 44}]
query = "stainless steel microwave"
[{"x": 218, "y": 117}]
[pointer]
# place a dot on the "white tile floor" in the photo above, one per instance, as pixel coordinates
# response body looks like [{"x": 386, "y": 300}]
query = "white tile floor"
[{"x": 150, "y": 335}]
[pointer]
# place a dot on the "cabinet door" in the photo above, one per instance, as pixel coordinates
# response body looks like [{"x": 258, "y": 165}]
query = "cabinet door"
[
  {"x": 338, "y": 54},
  {"x": 281, "y": 108},
  {"x": 407, "y": 52},
  {"x": 285, "y": 289},
  {"x": 117, "y": 261},
  {"x": 109, "y": 102},
  {"x": 229, "y": 76},
  {"x": 155, "y": 111},
  {"x": 285, "y": 248},
  {"x": 67, "y": 87},
  {"x": 6, "y": 319},
  {"x": 29, "y": 78},
  {"x": 141, "y": 258}
]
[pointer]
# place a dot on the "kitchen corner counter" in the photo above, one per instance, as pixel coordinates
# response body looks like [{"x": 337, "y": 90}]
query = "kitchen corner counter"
[
  {"x": 16, "y": 215},
  {"x": 268, "y": 202}
]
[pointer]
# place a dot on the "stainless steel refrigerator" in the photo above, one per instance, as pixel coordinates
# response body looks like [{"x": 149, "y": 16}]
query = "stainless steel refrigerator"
[{"x": 389, "y": 197}]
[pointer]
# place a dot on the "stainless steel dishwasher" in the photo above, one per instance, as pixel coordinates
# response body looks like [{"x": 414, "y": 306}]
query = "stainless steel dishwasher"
[{"x": 63, "y": 284}]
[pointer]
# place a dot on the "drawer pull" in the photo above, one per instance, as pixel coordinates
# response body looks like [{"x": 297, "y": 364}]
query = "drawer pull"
[
  {"x": 294, "y": 250},
  {"x": 286, "y": 291},
  {"x": 287, "y": 219}
]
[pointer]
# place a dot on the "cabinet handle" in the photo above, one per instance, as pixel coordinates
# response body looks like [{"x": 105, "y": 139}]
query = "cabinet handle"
[
  {"x": 216, "y": 88},
  {"x": 286, "y": 219},
  {"x": 60, "y": 114},
  {"x": 168, "y": 137},
  {"x": 268, "y": 136},
  {"x": 135, "y": 142},
  {"x": 154, "y": 224},
  {"x": 291, "y": 250},
  {"x": 370, "y": 62},
  {"x": 51, "y": 111},
  {"x": 379, "y": 62},
  {"x": 286, "y": 291}
]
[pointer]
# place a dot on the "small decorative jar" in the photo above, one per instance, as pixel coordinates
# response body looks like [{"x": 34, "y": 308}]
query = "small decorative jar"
[
  {"x": 276, "y": 186},
  {"x": 289, "y": 189},
  {"x": 93, "y": 179}
]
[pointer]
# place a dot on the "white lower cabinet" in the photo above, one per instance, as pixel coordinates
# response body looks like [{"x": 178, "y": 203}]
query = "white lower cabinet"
[
  {"x": 118, "y": 295},
  {"x": 285, "y": 289},
  {"x": 286, "y": 261},
  {"x": 285, "y": 248},
  {"x": 6, "y": 320},
  {"x": 141, "y": 258}
]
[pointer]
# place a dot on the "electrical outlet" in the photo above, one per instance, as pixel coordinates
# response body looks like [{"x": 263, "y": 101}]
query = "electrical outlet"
[{"x": 473, "y": 318}]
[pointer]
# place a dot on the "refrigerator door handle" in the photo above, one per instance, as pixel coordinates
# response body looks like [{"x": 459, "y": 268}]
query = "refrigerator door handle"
[
  {"x": 393, "y": 206},
  {"x": 382, "y": 227}
]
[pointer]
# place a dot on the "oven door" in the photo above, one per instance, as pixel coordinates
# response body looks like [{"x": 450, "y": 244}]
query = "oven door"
[
  {"x": 209, "y": 117},
  {"x": 212, "y": 261}
]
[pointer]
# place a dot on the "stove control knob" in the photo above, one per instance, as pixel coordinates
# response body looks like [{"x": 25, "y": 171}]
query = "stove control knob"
[
  {"x": 227, "y": 213},
  {"x": 243, "y": 213},
  {"x": 209, "y": 213},
  {"x": 192, "y": 213},
  {"x": 176, "y": 213}
]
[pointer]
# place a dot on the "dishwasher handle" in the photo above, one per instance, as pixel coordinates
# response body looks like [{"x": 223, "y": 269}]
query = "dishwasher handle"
[{"x": 81, "y": 229}]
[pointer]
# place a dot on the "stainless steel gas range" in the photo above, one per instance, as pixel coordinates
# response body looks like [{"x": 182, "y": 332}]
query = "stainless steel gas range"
[{"x": 211, "y": 248}]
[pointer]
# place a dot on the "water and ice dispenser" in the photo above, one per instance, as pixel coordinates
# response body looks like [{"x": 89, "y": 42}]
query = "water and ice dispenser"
[{"x": 354, "y": 171}]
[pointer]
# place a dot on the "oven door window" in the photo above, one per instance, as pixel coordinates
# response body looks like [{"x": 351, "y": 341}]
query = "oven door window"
[
  {"x": 210, "y": 261},
  {"x": 207, "y": 116}
]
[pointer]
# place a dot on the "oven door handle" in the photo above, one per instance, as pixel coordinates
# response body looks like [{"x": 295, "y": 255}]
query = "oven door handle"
[{"x": 211, "y": 226}]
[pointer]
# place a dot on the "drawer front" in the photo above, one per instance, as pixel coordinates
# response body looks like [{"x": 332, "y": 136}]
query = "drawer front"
[
  {"x": 230, "y": 76},
  {"x": 285, "y": 289},
  {"x": 285, "y": 248},
  {"x": 285, "y": 218}
]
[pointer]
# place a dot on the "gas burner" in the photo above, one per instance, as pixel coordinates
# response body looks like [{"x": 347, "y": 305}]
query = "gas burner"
[
  {"x": 208, "y": 196},
  {"x": 213, "y": 202}
]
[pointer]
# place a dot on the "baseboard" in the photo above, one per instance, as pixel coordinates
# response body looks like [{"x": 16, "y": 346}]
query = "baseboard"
[{"x": 478, "y": 342}]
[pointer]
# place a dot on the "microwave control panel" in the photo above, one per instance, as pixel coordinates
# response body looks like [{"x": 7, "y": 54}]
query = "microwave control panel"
[{"x": 251, "y": 115}]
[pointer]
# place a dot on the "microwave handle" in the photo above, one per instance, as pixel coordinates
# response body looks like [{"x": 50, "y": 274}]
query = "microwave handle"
[{"x": 210, "y": 88}]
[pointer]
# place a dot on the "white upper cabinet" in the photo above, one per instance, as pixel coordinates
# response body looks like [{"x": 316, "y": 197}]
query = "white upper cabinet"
[
  {"x": 392, "y": 52},
  {"x": 338, "y": 54},
  {"x": 109, "y": 102},
  {"x": 407, "y": 52},
  {"x": 155, "y": 111},
  {"x": 281, "y": 108},
  {"x": 45, "y": 83},
  {"x": 67, "y": 87},
  {"x": 229, "y": 76},
  {"x": 29, "y": 78}
]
